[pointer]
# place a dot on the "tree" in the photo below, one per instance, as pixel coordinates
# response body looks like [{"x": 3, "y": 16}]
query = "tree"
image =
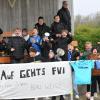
[{"x": 87, "y": 29}]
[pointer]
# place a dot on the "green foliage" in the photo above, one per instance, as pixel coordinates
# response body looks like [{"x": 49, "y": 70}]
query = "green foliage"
[{"x": 86, "y": 32}]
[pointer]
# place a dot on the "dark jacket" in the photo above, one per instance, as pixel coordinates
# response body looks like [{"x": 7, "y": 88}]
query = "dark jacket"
[
  {"x": 42, "y": 28},
  {"x": 73, "y": 56},
  {"x": 65, "y": 17},
  {"x": 46, "y": 47},
  {"x": 29, "y": 59},
  {"x": 19, "y": 44},
  {"x": 51, "y": 60},
  {"x": 63, "y": 42},
  {"x": 3, "y": 46},
  {"x": 56, "y": 28}
]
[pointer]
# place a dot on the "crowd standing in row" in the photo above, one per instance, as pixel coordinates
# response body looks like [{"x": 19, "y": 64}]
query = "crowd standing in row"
[{"x": 49, "y": 44}]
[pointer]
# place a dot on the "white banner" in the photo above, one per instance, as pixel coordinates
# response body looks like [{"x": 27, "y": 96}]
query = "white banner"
[{"x": 34, "y": 80}]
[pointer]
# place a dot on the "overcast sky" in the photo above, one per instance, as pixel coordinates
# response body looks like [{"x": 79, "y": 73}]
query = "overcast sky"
[{"x": 86, "y": 7}]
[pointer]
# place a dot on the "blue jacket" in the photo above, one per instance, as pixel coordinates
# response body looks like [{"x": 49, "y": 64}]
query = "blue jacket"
[{"x": 37, "y": 44}]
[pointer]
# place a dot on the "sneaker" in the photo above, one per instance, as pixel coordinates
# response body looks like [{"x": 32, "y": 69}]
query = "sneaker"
[
  {"x": 88, "y": 95},
  {"x": 95, "y": 95},
  {"x": 91, "y": 98},
  {"x": 77, "y": 97},
  {"x": 64, "y": 96}
]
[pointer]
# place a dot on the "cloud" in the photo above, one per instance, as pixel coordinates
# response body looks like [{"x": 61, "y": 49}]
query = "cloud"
[{"x": 86, "y": 7}]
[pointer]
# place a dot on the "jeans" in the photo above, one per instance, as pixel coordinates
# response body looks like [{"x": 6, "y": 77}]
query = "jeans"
[{"x": 75, "y": 85}]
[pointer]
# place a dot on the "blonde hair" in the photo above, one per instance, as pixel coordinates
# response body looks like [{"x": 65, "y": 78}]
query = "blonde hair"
[{"x": 88, "y": 43}]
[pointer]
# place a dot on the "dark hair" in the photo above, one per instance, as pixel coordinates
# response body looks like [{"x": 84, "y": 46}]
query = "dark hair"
[
  {"x": 32, "y": 50},
  {"x": 24, "y": 29},
  {"x": 65, "y": 30},
  {"x": 94, "y": 48},
  {"x": 77, "y": 54},
  {"x": 56, "y": 16},
  {"x": 1, "y": 31},
  {"x": 35, "y": 28},
  {"x": 40, "y": 17},
  {"x": 64, "y": 2}
]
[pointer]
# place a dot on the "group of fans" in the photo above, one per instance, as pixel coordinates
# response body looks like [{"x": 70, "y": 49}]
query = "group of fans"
[{"x": 49, "y": 44}]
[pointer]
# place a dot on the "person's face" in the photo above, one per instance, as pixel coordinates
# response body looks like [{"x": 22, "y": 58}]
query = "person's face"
[
  {"x": 65, "y": 5},
  {"x": 46, "y": 39},
  {"x": 32, "y": 54},
  {"x": 70, "y": 47},
  {"x": 94, "y": 51},
  {"x": 77, "y": 58},
  {"x": 57, "y": 19},
  {"x": 41, "y": 21},
  {"x": 64, "y": 34},
  {"x": 88, "y": 47},
  {"x": 51, "y": 55},
  {"x": 18, "y": 32},
  {"x": 35, "y": 31},
  {"x": 24, "y": 33}
]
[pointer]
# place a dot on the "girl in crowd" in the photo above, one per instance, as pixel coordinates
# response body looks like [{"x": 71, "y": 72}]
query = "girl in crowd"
[
  {"x": 46, "y": 45},
  {"x": 95, "y": 79},
  {"x": 72, "y": 55}
]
